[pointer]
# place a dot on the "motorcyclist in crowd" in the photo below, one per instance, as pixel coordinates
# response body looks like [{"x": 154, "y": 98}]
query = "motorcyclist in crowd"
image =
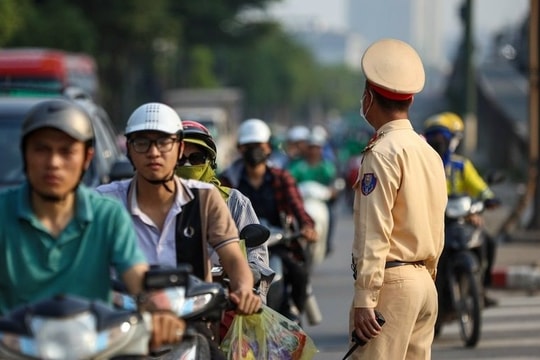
[
  {"x": 328, "y": 151},
  {"x": 156, "y": 199},
  {"x": 199, "y": 162},
  {"x": 444, "y": 132},
  {"x": 314, "y": 167},
  {"x": 59, "y": 237},
  {"x": 294, "y": 147},
  {"x": 273, "y": 193}
]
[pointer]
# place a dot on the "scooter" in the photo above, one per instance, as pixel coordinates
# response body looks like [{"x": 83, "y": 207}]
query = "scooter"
[
  {"x": 199, "y": 332},
  {"x": 461, "y": 267},
  {"x": 278, "y": 297},
  {"x": 317, "y": 199},
  {"x": 69, "y": 327}
]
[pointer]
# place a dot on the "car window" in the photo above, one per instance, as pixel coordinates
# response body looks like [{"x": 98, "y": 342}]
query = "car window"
[
  {"x": 11, "y": 168},
  {"x": 107, "y": 151},
  {"x": 109, "y": 147}
]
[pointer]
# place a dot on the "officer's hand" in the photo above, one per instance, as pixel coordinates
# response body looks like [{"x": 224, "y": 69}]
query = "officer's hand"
[
  {"x": 365, "y": 324},
  {"x": 167, "y": 328}
]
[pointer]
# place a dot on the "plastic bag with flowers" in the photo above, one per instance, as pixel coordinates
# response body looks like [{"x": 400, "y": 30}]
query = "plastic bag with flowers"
[{"x": 265, "y": 336}]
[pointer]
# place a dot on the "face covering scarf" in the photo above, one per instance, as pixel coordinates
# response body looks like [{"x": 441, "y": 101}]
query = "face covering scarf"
[{"x": 203, "y": 173}]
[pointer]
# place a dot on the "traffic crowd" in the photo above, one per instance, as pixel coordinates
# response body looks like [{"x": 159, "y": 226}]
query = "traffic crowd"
[{"x": 58, "y": 236}]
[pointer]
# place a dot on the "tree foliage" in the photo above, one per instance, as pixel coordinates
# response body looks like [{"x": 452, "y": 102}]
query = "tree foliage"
[
  {"x": 11, "y": 18},
  {"x": 143, "y": 47},
  {"x": 54, "y": 24},
  {"x": 275, "y": 73}
]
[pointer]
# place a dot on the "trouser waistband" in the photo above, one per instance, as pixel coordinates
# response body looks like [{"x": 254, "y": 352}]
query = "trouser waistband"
[{"x": 391, "y": 264}]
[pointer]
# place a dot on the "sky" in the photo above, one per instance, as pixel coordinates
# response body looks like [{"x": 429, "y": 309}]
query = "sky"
[{"x": 490, "y": 15}]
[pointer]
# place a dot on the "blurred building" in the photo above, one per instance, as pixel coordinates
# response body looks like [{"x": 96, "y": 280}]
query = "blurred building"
[
  {"x": 330, "y": 46},
  {"x": 418, "y": 22}
]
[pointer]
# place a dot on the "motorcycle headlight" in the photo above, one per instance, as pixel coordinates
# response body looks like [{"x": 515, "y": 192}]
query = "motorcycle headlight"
[
  {"x": 182, "y": 305},
  {"x": 71, "y": 338},
  {"x": 458, "y": 207},
  {"x": 195, "y": 304},
  {"x": 176, "y": 297}
]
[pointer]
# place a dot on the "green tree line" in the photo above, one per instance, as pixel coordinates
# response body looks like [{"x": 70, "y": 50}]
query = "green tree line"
[{"x": 144, "y": 47}]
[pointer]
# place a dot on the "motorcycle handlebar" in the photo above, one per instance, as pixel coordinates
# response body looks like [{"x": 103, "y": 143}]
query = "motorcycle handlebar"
[
  {"x": 229, "y": 305},
  {"x": 278, "y": 237}
]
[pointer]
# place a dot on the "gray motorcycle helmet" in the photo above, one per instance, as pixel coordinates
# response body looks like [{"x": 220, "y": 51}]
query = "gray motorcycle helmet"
[{"x": 62, "y": 115}]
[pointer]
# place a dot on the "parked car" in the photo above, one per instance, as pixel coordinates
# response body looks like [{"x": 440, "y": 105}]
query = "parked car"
[{"x": 109, "y": 162}]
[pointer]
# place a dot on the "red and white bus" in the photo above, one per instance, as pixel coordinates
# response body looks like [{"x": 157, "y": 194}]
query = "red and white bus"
[{"x": 49, "y": 69}]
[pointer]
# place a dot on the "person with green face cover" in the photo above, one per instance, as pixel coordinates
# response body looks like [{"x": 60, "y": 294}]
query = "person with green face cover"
[{"x": 199, "y": 162}]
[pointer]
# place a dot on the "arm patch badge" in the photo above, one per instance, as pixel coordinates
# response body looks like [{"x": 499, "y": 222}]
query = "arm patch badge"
[{"x": 369, "y": 182}]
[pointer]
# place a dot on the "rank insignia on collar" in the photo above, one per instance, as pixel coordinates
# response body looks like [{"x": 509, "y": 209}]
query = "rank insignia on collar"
[
  {"x": 374, "y": 139},
  {"x": 369, "y": 182}
]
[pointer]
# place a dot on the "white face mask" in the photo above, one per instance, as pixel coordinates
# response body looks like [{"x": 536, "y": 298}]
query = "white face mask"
[
  {"x": 454, "y": 143},
  {"x": 363, "y": 113}
]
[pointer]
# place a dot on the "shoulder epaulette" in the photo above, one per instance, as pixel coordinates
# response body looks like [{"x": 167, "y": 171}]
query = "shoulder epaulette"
[{"x": 373, "y": 141}]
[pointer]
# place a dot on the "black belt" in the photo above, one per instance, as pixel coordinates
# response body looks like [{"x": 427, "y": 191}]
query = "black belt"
[{"x": 391, "y": 264}]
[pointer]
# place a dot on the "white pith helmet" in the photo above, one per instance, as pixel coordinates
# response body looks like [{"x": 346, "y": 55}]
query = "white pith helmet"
[
  {"x": 253, "y": 131},
  {"x": 154, "y": 117},
  {"x": 298, "y": 133}
]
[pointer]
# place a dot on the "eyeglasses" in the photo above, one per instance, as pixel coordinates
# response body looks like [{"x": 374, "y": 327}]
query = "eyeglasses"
[
  {"x": 163, "y": 144},
  {"x": 196, "y": 158}
]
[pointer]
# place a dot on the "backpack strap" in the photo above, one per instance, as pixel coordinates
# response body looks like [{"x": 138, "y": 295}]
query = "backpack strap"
[{"x": 189, "y": 246}]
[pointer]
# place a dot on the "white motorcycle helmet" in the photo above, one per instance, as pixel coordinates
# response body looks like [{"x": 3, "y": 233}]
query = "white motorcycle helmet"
[
  {"x": 298, "y": 133},
  {"x": 154, "y": 117},
  {"x": 253, "y": 131}
]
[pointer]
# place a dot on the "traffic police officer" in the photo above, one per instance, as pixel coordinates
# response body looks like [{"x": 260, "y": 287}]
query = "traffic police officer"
[{"x": 400, "y": 198}]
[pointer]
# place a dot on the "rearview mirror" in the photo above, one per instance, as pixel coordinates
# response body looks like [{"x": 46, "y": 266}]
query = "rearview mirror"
[
  {"x": 160, "y": 278},
  {"x": 254, "y": 235}
]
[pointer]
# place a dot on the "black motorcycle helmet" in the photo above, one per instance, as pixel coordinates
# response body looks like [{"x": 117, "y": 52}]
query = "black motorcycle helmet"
[{"x": 59, "y": 114}]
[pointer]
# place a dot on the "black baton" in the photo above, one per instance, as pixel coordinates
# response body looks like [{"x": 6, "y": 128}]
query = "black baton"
[
  {"x": 351, "y": 350},
  {"x": 359, "y": 342}
]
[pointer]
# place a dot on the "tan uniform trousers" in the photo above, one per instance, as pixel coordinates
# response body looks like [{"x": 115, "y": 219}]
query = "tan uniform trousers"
[{"x": 408, "y": 302}]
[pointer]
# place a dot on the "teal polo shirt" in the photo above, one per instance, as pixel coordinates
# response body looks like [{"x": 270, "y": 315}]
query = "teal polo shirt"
[{"x": 35, "y": 265}]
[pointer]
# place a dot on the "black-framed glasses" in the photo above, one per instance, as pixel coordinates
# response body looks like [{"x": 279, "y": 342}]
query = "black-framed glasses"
[
  {"x": 163, "y": 144},
  {"x": 196, "y": 158}
]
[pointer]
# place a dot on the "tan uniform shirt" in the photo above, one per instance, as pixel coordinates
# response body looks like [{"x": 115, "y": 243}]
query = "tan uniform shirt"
[{"x": 399, "y": 207}]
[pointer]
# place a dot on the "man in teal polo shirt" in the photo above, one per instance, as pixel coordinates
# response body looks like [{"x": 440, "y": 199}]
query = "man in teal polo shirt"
[
  {"x": 37, "y": 265},
  {"x": 56, "y": 235}
]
